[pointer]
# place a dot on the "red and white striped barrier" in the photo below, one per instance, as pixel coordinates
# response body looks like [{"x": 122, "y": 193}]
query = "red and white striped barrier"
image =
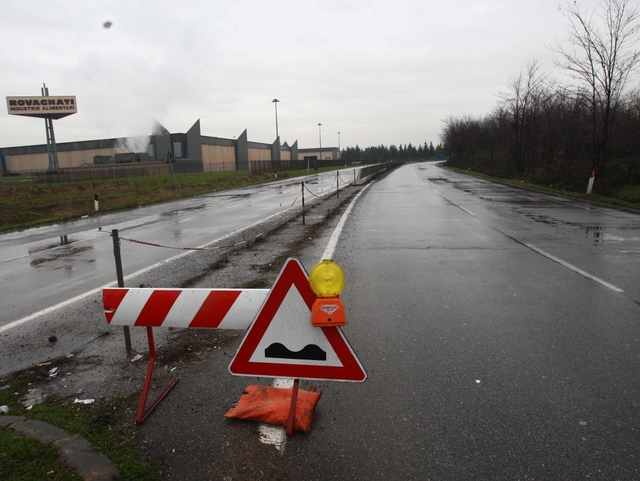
[{"x": 189, "y": 308}]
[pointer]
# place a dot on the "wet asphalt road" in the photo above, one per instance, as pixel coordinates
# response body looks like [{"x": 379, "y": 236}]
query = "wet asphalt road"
[
  {"x": 500, "y": 332},
  {"x": 44, "y": 266},
  {"x": 486, "y": 359},
  {"x": 50, "y": 290}
]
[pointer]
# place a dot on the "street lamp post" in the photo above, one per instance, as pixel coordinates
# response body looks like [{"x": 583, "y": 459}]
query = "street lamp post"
[
  {"x": 339, "y": 156},
  {"x": 275, "y": 104},
  {"x": 320, "y": 137}
]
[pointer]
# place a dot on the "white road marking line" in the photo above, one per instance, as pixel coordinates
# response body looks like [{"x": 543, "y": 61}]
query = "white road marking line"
[
  {"x": 540, "y": 251},
  {"x": 14, "y": 258},
  {"x": 574, "y": 268},
  {"x": 333, "y": 240},
  {"x": 68, "y": 302},
  {"x": 460, "y": 207},
  {"x": 273, "y": 436},
  {"x": 277, "y": 435},
  {"x": 80, "y": 297}
]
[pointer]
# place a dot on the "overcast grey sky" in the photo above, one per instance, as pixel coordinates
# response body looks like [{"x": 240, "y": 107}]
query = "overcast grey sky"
[{"x": 379, "y": 72}]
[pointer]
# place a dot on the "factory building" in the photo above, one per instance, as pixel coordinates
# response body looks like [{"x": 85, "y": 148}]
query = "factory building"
[{"x": 192, "y": 151}]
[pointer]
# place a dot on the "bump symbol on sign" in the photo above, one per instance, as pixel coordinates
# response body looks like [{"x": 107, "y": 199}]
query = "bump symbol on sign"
[{"x": 310, "y": 351}]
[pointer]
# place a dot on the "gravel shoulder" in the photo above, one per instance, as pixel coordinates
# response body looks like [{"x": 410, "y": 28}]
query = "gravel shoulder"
[
  {"x": 187, "y": 435},
  {"x": 103, "y": 366}
]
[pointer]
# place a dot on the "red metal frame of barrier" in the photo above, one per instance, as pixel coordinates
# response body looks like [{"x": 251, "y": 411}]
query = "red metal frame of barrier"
[
  {"x": 142, "y": 415},
  {"x": 215, "y": 309}
]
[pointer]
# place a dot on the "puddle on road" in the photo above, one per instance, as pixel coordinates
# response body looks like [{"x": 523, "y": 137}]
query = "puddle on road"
[
  {"x": 539, "y": 218},
  {"x": 43, "y": 254},
  {"x": 64, "y": 240},
  {"x": 598, "y": 236},
  {"x": 312, "y": 180},
  {"x": 542, "y": 219},
  {"x": 196, "y": 208},
  {"x": 64, "y": 252}
]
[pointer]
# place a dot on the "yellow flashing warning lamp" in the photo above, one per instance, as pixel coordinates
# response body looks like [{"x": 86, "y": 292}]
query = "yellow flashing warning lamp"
[{"x": 327, "y": 280}]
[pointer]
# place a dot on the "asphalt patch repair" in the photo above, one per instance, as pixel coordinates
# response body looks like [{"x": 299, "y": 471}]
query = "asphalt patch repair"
[{"x": 188, "y": 436}]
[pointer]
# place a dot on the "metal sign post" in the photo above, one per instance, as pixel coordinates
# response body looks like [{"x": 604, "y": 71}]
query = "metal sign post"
[
  {"x": 116, "y": 253},
  {"x": 171, "y": 160},
  {"x": 52, "y": 151}
]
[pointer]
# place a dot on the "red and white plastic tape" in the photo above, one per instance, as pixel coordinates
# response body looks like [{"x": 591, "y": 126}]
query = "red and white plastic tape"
[{"x": 192, "y": 308}]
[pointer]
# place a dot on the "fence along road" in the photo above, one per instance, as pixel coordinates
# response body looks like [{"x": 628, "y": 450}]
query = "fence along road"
[{"x": 47, "y": 266}]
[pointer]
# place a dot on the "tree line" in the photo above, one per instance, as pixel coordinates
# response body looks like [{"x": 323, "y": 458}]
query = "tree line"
[
  {"x": 392, "y": 152},
  {"x": 554, "y": 132}
]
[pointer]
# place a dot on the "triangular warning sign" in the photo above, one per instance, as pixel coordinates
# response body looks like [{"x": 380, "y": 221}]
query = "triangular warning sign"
[{"x": 282, "y": 342}]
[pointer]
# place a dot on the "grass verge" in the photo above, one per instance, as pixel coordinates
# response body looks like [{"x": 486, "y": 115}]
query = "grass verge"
[
  {"x": 28, "y": 459},
  {"x": 106, "y": 424}
]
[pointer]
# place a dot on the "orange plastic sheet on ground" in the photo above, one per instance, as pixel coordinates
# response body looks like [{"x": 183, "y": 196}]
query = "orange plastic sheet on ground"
[{"x": 271, "y": 405}]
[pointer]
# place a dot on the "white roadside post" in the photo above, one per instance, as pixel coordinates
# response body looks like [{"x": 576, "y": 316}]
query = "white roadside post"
[{"x": 591, "y": 181}]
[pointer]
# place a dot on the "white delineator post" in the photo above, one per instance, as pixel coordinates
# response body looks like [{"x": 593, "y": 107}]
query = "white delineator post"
[{"x": 591, "y": 181}]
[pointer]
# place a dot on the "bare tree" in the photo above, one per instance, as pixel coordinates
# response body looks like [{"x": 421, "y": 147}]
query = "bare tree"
[
  {"x": 523, "y": 101},
  {"x": 601, "y": 55}
]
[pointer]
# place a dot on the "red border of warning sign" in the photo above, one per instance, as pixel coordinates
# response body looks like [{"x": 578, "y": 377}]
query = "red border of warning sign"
[{"x": 293, "y": 274}]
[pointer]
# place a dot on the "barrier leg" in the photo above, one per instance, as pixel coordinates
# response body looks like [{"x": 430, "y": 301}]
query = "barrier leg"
[{"x": 142, "y": 415}]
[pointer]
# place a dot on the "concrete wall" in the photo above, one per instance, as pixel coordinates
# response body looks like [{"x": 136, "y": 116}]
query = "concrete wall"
[
  {"x": 242, "y": 152},
  {"x": 194, "y": 142}
]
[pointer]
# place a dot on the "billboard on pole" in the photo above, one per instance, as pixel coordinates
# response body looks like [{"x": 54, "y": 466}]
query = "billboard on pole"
[{"x": 43, "y": 107}]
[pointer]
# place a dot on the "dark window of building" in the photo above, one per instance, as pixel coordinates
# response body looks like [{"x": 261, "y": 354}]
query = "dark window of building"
[{"x": 179, "y": 150}]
